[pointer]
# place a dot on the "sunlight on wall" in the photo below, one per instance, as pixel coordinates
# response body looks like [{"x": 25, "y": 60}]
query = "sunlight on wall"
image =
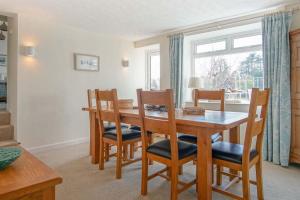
[{"x": 29, "y": 61}]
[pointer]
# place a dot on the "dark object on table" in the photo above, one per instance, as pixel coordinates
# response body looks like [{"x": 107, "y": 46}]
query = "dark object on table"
[{"x": 156, "y": 108}]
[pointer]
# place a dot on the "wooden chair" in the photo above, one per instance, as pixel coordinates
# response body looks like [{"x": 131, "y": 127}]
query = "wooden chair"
[
  {"x": 170, "y": 152},
  {"x": 243, "y": 157},
  {"x": 119, "y": 137},
  {"x": 91, "y": 104},
  {"x": 218, "y": 95}
]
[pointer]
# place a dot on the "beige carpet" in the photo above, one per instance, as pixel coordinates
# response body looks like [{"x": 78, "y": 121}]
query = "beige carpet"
[{"x": 83, "y": 181}]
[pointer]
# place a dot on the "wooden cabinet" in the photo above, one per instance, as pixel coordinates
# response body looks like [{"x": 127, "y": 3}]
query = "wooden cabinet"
[
  {"x": 295, "y": 89},
  {"x": 28, "y": 179}
]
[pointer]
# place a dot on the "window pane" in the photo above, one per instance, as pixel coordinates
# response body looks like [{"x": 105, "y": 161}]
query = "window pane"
[
  {"x": 155, "y": 72},
  {"x": 247, "y": 41},
  {"x": 236, "y": 73},
  {"x": 217, "y": 46}
]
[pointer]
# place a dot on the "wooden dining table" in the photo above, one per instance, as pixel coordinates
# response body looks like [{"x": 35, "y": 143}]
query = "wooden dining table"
[{"x": 202, "y": 126}]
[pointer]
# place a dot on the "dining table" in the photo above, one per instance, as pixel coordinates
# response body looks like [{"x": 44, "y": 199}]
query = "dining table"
[{"x": 202, "y": 126}]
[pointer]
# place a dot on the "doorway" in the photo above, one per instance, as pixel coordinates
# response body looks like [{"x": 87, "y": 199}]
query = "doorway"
[{"x": 3, "y": 61}]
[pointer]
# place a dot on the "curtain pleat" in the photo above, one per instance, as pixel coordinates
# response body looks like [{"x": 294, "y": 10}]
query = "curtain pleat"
[
  {"x": 276, "y": 57},
  {"x": 176, "y": 62}
]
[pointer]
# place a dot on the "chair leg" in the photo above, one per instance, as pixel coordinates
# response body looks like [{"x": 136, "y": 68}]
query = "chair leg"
[
  {"x": 136, "y": 146},
  {"x": 150, "y": 138},
  {"x": 132, "y": 151},
  {"x": 180, "y": 170},
  {"x": 119, "y": 162},
  {"x": 106, "y": 152},
  {"x": 101, "y": 156},
  {"x": 259, "y": 180},
  {"x": 174, "y": 182},
  {"x": 197, "y": 182},
  {"x": 168, "y": 171},
  {"x": 145, "y": 163},
  {"x": 219, "y": 175},
  {"x": 212, "y": 174},
  {"x": 246, "y": 184},
  {"x": 125, "y": 152}
]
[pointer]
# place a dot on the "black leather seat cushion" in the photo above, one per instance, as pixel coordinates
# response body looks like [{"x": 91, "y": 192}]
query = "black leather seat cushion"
[
  {"x": 230, "y": 152},
  {"x": 135, "y": 128},
  {"x": 110, "y": 126},
  {"x": 163, "y": 148},
  {"x": 193, "y": 139},
  {"x": 127, "y": 134}
]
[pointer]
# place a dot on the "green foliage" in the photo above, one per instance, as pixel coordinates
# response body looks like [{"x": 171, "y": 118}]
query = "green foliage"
[{"x": 252, "y": 66}]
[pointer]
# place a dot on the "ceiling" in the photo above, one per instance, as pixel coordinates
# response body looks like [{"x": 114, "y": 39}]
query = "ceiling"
[{"x": 135, "y": 19}]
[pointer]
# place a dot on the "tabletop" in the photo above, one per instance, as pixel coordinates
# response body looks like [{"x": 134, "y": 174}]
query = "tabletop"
[{"x": 210, "y": 118}]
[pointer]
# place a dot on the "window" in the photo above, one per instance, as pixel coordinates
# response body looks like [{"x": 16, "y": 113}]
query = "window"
[
  {"x": 247, "y": 41},
  {"x": 232, "y": 62},
  {"x": 216, "y": 46},
  {"x": 153, "y": 70}
]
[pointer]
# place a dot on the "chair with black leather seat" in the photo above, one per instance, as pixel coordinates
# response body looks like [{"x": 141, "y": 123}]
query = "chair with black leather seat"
[
  {"x": 216, "y": 95},
  {"x": 120, "y": 137},
  {"x": 107, "y": 126},
  {"x": 170, "y": 152},
  {"x": 243, "y": 157}
]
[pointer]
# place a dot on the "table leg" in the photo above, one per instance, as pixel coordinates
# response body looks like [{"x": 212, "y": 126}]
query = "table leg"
[
  {"x": 94, "y": 139},
  {"x": 49, "y": 193},
  {"x": 91, "y": 132},
  {"x": 204, "y": 165},
  {"x": 234, "y": 137}
]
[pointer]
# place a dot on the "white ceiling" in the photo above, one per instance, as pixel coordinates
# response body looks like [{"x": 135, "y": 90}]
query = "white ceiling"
[{"x": 134, "y": 19}]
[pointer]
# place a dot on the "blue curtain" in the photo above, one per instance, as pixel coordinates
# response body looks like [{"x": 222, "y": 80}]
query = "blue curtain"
[
  {"x": 276, "y": 57},
  {"x": 176, "y": 62}
]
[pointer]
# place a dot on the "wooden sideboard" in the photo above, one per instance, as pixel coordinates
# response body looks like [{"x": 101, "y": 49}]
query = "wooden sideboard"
[
  {"x": 295, "y": 93},
  {"x": 28, "y": 179}
]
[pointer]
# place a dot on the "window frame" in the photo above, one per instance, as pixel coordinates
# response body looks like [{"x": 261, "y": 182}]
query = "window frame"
[
  {"x": 229, "y": 46},
  {"x": 149, "y": 53}
]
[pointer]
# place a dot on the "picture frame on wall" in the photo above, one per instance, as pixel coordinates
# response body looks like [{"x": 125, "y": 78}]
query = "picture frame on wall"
[
  {"x": 3, "y": 60},
  {"x": 85, "y": 62}
]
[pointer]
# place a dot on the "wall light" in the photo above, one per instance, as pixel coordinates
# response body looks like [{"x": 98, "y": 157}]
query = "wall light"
[
  {"x": 29, "y": 51},
  {"x": 125, "y": 62}
]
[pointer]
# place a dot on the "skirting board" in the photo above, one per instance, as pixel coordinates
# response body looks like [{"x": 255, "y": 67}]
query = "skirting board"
[{"x": 58, "y": 145}]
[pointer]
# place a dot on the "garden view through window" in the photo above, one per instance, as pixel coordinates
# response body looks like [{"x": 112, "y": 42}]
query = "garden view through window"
[
  {"x": 153, "y": 70},
  {"x": 237, "y": 69}
]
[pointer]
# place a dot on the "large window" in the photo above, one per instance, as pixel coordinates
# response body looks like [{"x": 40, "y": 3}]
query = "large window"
[
  {"x": 153, "y": 70},
  {"x": 232, "y": 62}
]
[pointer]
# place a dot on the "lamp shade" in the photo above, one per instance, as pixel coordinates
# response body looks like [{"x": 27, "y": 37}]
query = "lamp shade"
[
  {"x": 194, "y": 82},
  {"x": 2, "y": 36},
  {"x": 3, "y": 27},
  {"x": 29, "y": 51}
]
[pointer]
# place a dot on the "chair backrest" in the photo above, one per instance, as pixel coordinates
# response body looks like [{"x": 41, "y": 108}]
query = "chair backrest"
[
  {"x": 165, "y": 126},
  {"x": 91, "y": 95},
  {"x": 256, "y": 123},
  {"x": 210, "y": 95},
  {"x": 105, "y": 113}
]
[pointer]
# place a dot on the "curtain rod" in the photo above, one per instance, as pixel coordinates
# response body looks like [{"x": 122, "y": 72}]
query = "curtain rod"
[{"x": 234, "y": 21}]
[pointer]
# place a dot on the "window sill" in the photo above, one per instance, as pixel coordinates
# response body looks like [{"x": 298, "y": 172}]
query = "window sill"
[{"x": 226, "y": 103}]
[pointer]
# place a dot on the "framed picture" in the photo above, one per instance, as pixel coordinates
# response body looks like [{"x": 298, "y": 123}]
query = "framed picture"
[
  {"x": 84, "y": 62},
  {"x": 3, "y": 60}
]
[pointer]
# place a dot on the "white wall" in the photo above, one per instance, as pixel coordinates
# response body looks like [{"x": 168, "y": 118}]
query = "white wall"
[
  {"x": 296, "y": 21},
  {"x": 51, "y": 93}
]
